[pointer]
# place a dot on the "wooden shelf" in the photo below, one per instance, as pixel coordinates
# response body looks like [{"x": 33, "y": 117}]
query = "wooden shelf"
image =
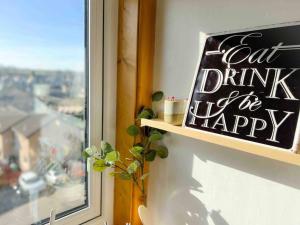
[{"x": 261, "y": 150}]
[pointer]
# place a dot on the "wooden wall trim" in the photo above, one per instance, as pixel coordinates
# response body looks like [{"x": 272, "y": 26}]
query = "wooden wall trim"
[
  {"x": 136, "y": 41},
  {"x": 126, "y": 101},
  {"x": 145, "y": 61}
]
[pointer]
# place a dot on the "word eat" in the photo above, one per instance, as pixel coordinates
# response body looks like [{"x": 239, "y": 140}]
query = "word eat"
[{"x": 242, "y": 51}]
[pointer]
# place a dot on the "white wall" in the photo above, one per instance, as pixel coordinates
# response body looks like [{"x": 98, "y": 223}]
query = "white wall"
[{"x": 202, "y": 183}]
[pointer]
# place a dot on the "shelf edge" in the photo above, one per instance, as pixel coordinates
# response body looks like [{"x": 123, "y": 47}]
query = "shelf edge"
[{"x": 249, "y": 147}]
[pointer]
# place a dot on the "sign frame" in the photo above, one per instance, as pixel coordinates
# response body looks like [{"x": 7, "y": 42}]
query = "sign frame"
[{"x": 202, "y": 42}]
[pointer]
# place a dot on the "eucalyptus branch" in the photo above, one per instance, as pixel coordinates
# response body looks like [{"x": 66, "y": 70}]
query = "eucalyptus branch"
[{"x": 140, "y": 153}]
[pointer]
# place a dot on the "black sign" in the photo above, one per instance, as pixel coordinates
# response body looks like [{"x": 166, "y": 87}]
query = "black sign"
[{"x": 247, "y": 86}]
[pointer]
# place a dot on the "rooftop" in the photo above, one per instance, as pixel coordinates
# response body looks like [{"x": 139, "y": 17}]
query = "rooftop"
[
  {"x": 10, "y": 117},
  {"x": 33, "y": 123}
]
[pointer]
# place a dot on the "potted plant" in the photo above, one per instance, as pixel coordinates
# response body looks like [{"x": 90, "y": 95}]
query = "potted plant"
[{"x": 146, "y": 149}]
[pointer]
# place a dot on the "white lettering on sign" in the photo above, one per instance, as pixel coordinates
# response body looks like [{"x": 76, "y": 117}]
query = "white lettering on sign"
[{"x": 232, "y": 55}]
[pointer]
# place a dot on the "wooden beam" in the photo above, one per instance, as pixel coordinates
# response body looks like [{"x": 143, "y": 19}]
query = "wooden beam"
[
  {"x": 145, "y": 61},
  {"x": 126, "y": 101},
  {"x": 134, "y": 88}
]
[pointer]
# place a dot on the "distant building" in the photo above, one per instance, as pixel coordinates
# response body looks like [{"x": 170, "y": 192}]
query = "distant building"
[
  {"x": 28, "y": 138},
  {"x": 70, "y": 106},
  {"x": 41, "y": 90},
  {"x": 8, "y": 118},
  {"x": 53, "y": 137},
  {"x": 17, "y": 98}
]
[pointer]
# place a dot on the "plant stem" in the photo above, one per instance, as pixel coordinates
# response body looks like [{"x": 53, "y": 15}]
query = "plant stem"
[
  {"x": 147, "y": 145},
  {"x": 143, "y": 182},
  {"x": 123, "y": 164},
  {"x": 120, "y": 168},
  {"x": 137, "y": 183}
]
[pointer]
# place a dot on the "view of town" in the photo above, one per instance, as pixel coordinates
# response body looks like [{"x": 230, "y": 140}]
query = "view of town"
[
  {"x": 42, "y": 133},
  {"x": 42, "y": 109}
]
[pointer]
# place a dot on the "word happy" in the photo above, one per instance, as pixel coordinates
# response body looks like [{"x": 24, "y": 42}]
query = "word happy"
[{"x": 275, "y": 82}]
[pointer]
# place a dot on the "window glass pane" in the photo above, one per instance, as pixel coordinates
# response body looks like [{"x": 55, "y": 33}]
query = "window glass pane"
[{"x": 42, "y": 109}]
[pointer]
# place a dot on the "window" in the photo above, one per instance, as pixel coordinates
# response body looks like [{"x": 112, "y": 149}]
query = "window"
[{"x": 51, "y": 107}]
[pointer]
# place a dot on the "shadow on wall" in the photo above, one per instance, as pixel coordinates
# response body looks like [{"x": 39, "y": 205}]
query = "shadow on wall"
[
  {"x": 276, "y": 171},
  {"x": 177, "y": 195},
  {"x": 194, "y": 212},
  {"x": 273, "y": 170}
]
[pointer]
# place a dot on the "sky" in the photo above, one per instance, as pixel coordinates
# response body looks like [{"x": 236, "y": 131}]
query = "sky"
[{"x": 42, "y": 34}]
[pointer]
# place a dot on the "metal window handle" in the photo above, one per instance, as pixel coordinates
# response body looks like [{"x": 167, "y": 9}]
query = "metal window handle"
[{"x": 52, "y": 217}]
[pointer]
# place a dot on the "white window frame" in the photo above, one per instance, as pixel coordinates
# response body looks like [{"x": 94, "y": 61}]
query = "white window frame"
[{"x": 103, "y": 30}]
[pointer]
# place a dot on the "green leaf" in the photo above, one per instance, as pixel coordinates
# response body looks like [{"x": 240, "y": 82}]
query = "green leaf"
[
  {"x": 106, "y": 147},
  {"x": 138, "y": 144},
  {"x": 155, "y": 136},
  {"x": 140, "y": 110},
  {"x": 85, "y": 155},
  {"x": 133, "y": 130},
  {"x": 133, "y": 167},
  {"x": 151, "y": 112},
  {"x": 144, "y": 176},
  {"x": 124, "y": 176},
  {"x": 113, "y": 174},
  {"x": 112, "y": 157},
  {"x": 146, "y": 113},
  {"x": 162, "y": 152},
  {"x": 99, "y": 165},
  {"x": 136, "y": 151},
  {"x": 116, "y": 174},
  {"x": 91, "y": 151},
  {"x": 157, "y": 96},
  {"x": 150, "y": 155}
]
